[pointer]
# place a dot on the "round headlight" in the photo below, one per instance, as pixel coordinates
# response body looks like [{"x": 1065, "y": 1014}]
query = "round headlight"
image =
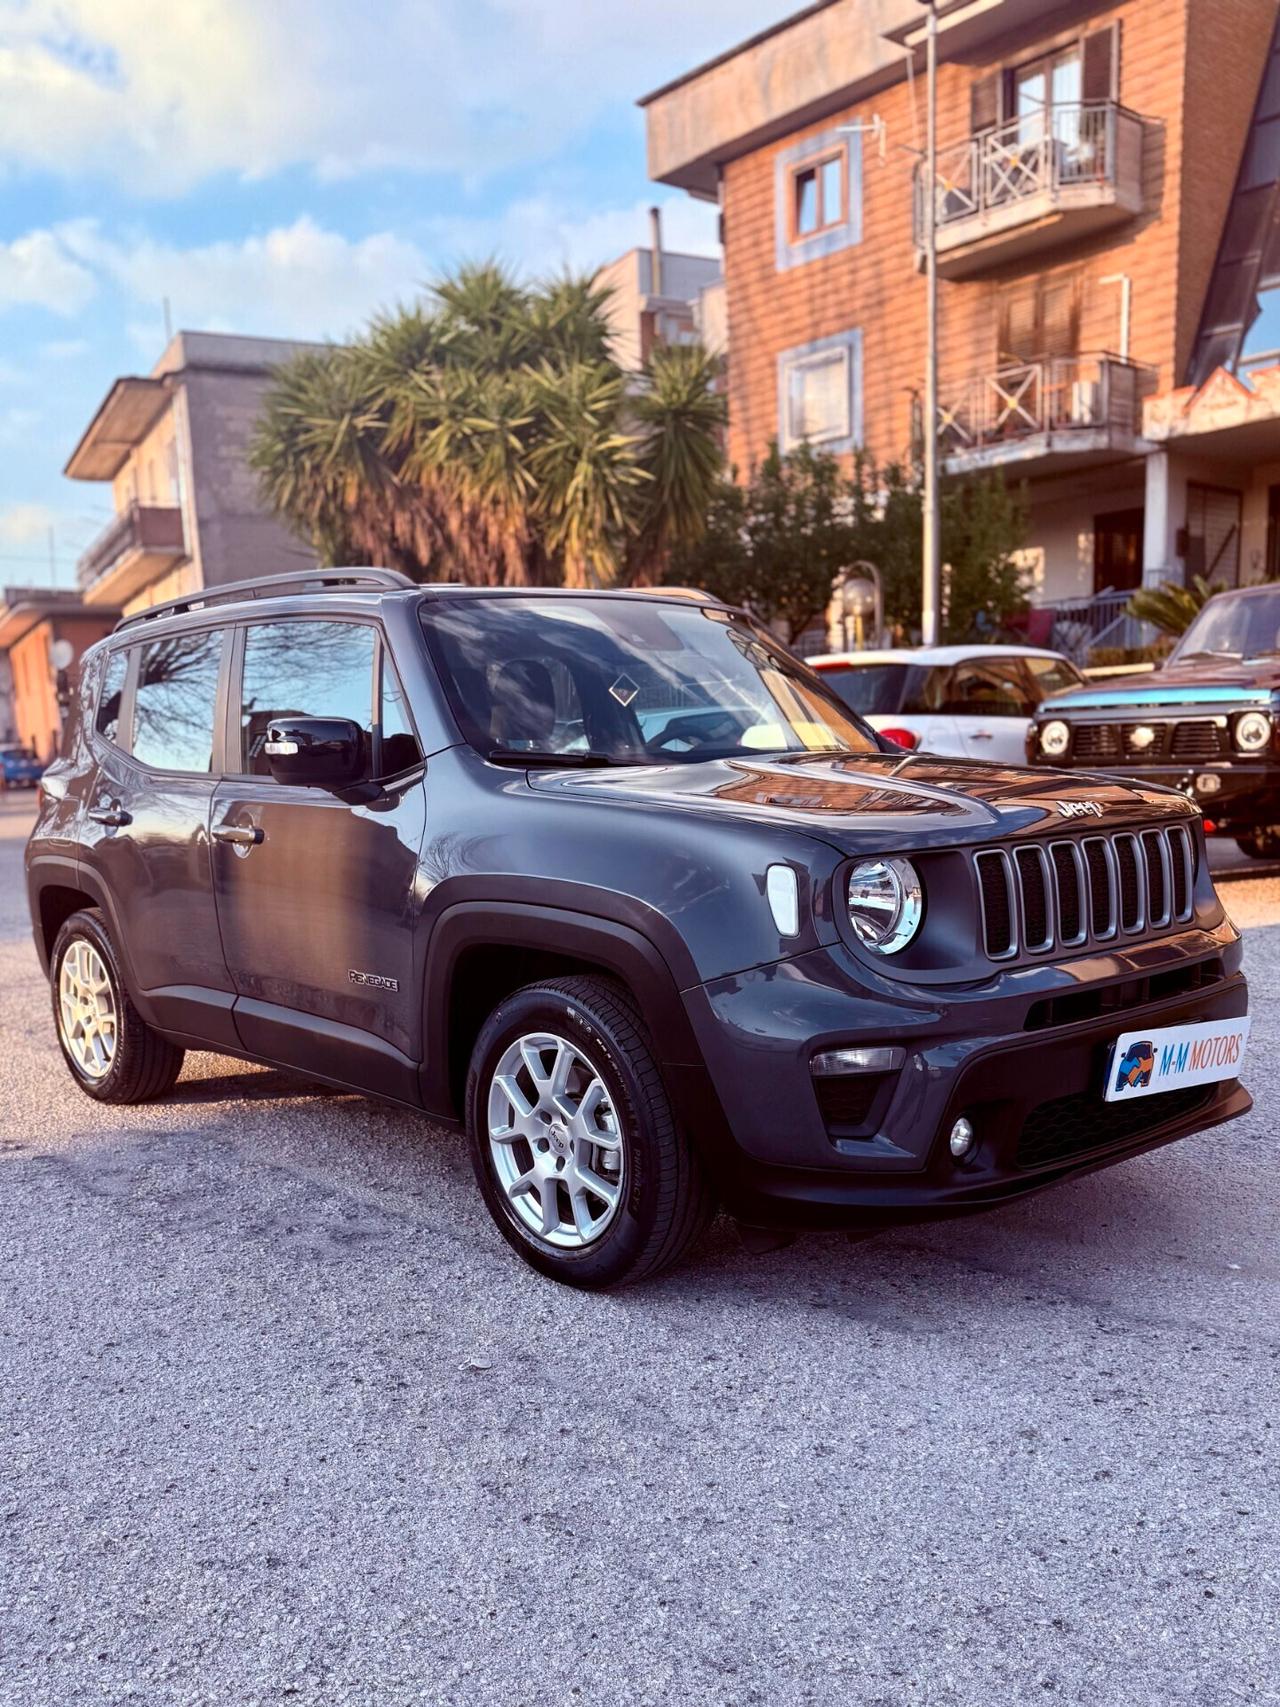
[
  {"x": 886, "y": 903},
  {"x": 1055, "y": 738},
  {"x": 1253, "y": 732}
]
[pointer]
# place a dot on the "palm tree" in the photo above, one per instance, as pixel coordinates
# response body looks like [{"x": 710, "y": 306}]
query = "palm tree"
[
  {"x": 1171, "y": 608},
  {"x": 487, "y": 434}
]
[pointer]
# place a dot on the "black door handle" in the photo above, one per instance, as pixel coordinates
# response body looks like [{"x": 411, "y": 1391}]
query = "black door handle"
[
  {"x": 114, "y": 817},
  {"x": 240, "y": 835}
]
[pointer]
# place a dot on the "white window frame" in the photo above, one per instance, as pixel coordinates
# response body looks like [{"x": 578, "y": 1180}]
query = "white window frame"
[
  {"x": 846, "y": 347},
  {"x": 792, "y": 250}
]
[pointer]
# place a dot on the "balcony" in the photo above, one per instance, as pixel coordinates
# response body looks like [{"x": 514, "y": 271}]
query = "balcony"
[
  {"x": 1066, "y": 412},
  {"x": 1033, "y": 183},
  {"x": 141, "y": 544}
]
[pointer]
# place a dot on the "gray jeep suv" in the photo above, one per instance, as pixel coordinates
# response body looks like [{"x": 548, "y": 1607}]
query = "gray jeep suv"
[{"x": 615, "y": 882}]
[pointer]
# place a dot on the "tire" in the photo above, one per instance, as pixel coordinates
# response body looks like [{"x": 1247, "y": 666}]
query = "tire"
[
  {"x": 623, "y": 1136},
  {"x": 1262, "y": 843},
  {"x": 131, "y": 1063}
]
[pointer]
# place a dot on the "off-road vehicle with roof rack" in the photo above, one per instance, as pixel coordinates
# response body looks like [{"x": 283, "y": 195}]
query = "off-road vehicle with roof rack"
[{"x": 616, "y": 883}]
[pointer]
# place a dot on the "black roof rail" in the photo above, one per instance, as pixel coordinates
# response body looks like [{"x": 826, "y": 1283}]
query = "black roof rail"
[{"x": 274, "y": 587}]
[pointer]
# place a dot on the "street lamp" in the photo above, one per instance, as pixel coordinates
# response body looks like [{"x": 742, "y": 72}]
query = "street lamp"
[
  {"x": 931, "y": 600},
  {"x": 861, "y": 593}
]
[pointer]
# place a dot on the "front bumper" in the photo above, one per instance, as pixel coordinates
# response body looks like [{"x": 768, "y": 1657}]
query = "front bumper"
[{"x": 1008, "y": 1055}]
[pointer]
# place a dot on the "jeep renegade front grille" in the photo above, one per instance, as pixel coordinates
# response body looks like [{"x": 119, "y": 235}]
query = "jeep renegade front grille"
[{"x": 1065, "y": 894}]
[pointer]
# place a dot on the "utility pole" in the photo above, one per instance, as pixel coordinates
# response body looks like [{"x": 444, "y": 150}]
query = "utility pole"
[
  {"x": 53, "y": 559},
  {"x": 931, "y": 600}
]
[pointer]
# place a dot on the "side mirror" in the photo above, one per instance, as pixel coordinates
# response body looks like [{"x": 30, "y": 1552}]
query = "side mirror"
[{"x": 315, "y": 752}]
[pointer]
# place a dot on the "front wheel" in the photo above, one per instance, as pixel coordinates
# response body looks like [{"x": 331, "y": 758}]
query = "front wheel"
[
  {"x": 1262, "y": 843},
  {"x": 573, "y": 1140}
]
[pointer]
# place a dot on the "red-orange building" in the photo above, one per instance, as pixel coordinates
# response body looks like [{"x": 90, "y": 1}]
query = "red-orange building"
[
  {"x": 43, "y": 634},
  {"x": 1108, "y": 233}
]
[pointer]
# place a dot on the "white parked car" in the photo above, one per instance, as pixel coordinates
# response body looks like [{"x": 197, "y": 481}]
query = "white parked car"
[{"x": 969, "y": 702}]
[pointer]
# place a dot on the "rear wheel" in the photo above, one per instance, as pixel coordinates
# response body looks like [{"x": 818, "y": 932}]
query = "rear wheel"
[
  {"x": 573, "y": 1140},
  {"x": 113, "y": 1054}
]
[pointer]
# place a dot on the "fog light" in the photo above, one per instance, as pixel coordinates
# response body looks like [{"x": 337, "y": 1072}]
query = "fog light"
[
  {"x": 962, "y": 1139},
  {"x": 1208, "y": 783}
]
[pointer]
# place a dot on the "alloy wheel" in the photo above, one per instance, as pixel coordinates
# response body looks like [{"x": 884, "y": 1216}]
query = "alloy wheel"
[
  {"x": 87, "y": 1009},
  {"x": 555, "y": 1141}
]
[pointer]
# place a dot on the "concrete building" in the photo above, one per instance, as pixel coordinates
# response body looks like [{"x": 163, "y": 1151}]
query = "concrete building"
[
  {"x": 1094, "y": 159},
  {"x": 659, "y": 296},
  {"x": 174, "y": 446},
  {"x": 42, "y": 634}
]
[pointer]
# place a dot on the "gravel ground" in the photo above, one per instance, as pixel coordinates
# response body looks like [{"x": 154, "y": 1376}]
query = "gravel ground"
[{"x": 281, "y": 1420}]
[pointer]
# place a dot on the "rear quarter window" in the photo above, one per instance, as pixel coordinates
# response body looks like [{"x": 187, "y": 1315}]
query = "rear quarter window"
[
  {"x": 107, "y": 722},
  {"x": 175, "y": 700}
]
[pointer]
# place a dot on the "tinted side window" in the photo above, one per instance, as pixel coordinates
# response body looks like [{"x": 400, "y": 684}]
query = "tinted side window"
[
  {"x": 1053, "y": 675},
  {"x": 175, "y": 700},
  {"x": 988, "y": 688},
  {"x": 111, "y": 699},
  {"x": 304, "y": 669}
]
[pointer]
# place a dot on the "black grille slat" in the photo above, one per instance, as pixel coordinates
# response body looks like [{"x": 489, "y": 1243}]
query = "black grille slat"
[
  {"x": 1095, "y": 741},
  {"x": 997, "y": 908},
  {"x": 1198, "y": 739},
  {"x": 1126, "y": 851},
  {"x": 1157, "y": 887},
  {"x": 1033, "y": 892},
  {"x": 1180, "y": 861},
  {"x": 1098, "y": 867},
  {"x": 1066, "y": 871}
]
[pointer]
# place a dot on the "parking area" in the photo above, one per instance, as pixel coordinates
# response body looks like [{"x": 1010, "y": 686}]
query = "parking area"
[{"x": 283, "y": 1420}]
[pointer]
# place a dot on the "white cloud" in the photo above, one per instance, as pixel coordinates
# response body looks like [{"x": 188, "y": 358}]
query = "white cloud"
[
  {"x": 306, "y": 281},
  {"x": 37, "y": 270},
  {"x": 536, "y": 235},
  {"x": 64, "y": 349},
  {"x": 161, "y": 99},
  {"x": 298, "y": 280},
  {"x": 20, "y": 524}
]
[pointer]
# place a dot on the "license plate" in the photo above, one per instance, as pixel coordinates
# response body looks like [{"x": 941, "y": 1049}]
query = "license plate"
[{"x": 1175, "y": 1057}]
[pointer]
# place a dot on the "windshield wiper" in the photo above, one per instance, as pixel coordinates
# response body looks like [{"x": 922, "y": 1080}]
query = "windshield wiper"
[
  {"x": 533, "y": 760},
  {"x": 1207, "y": 652}
]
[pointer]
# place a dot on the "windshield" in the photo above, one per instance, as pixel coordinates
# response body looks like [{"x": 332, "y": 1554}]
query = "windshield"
[
  {"x": 1233, "y": 625},
  {"x": 870, "y": 689},
  {"x": 627, "y": 681},
  {"x": 24, "y": 754}
]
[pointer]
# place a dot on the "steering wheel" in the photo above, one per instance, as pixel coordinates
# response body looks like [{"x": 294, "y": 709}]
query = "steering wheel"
[{"x": 696, "y": 729}]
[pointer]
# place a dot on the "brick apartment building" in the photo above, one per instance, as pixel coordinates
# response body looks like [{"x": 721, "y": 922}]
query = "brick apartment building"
[{"x": 1108, "y": 228}]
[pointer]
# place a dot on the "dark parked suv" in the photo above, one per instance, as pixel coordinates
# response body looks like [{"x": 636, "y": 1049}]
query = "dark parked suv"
[{"x": 617, "y": 883}]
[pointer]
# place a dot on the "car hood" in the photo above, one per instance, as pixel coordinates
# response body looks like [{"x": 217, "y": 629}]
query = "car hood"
[
  {"x": 911, "y": 795},
  {"x": 1202, "y": 686}
]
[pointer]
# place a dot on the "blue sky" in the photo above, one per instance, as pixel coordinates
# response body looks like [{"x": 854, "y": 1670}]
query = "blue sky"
[{"x": 286, "y": 167}]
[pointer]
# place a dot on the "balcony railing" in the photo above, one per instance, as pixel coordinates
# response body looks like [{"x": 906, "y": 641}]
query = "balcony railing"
[
  {"x": 1083, "y": 159},
  {"x": 1095, "y": 623},
  {"x": 1063, "y": 395},
  {"x": 150, "y": 530}
]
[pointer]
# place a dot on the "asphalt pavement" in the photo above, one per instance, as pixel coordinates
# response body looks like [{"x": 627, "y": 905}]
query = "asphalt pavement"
[{"x": 283, "y": 1421}]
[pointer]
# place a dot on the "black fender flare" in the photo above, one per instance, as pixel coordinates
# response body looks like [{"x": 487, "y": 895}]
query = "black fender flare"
[{"x": 616, "y": 947}]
